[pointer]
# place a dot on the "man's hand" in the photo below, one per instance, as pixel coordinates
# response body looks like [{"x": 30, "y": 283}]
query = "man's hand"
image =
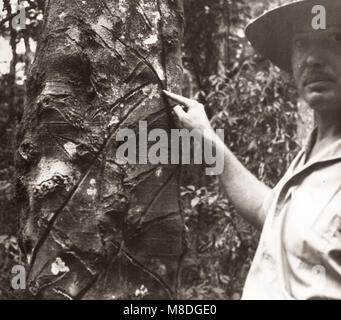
[
  {"x": 194, "y": 118},
  {"x": 242, "y": 188}
]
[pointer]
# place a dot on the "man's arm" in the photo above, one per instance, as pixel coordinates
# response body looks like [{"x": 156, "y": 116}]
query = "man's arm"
[{"x": 244, "y": 190}]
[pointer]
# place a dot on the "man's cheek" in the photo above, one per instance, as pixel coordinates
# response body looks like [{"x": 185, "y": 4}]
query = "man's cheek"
[
  {"x": 301, "y": 92},
  {"x": 297, "y": 79}
]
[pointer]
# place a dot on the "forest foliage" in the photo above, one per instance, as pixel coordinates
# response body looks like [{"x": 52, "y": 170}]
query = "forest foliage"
[{"x": 243, "y": 93}]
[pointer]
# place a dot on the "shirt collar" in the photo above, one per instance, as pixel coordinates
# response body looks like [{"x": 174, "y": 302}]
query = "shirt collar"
[
  {"x": 310, "y": 141},
  {"x": 331, "y": 152}
]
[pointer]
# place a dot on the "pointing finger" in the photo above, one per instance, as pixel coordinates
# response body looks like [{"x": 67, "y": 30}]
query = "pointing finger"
[
  {"x": 179, "y": 112},
  {"x": 179, "y": 99}
]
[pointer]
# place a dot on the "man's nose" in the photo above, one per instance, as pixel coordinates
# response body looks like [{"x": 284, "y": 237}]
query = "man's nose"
[{"x": 315, "y": 58}]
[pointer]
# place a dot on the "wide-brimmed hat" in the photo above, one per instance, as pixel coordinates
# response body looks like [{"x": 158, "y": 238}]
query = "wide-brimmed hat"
[{"x": 271, "y": 33}]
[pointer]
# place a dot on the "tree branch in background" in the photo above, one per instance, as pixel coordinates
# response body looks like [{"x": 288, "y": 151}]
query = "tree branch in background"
[{"x": 9, "y": 17}]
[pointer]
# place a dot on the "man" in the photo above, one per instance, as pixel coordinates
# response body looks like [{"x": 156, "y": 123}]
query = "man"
[{"x": 299, "y": 253}]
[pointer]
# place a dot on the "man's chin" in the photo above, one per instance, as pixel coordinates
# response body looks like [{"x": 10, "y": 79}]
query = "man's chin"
[{"x": 320, "y": 100}]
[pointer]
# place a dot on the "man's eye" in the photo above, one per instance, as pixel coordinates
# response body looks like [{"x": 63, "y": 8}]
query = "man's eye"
[{"x": 300, "y": 43}]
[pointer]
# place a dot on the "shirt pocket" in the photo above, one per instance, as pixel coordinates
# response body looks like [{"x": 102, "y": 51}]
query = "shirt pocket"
[
  {"x": 332, "y": 249},
  {"x": 323, "y": 232},
  {"x": 326, "y": 229}
]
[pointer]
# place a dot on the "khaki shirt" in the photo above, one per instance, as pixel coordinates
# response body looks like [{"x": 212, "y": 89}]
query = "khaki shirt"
[{"x": 299, "y": 253}]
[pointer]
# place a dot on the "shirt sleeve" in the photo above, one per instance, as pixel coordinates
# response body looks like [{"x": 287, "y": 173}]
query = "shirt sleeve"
[{"x": 267, "y": 203}]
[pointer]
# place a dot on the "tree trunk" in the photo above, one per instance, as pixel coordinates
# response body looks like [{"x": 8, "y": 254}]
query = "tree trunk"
[
  {"x": 91, "y": 228},
  {"x": 13, "y": 64},
  {"x": 217, "y": 57}
]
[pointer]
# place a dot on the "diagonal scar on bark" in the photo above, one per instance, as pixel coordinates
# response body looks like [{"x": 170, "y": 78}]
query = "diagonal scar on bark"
[
  {"x": 140, "y": 177},
  {"x": 50, "y": 283},
  {"x": 69, "y": 197},
  {"x": 80, "y": 9},
  {"x": 72, "y": 252},
  {"x": 150, "y": 204},
  {"x": 105, "y": 5},
  {"x": 83, "y": 292},
  {"x": 146, "y": 225},
  {"x": 56, "y": 139},
  {"x": 143, "y": 227},
  {"x": 137, "y": 54},
  {"x": 66, "y": 201},
  {"x": 131, "y": 93},
  {"x": 141, "y": 266},
  {"x": 148, "y": 23},
  {"x": 162, "y": 85}
]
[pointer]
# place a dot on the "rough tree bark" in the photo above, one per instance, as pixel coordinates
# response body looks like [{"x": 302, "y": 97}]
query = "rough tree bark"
[
  {"x": 89, "y": 227},
  {"x": 217, "y": 54},
  {"x": 13, "y": 64}
]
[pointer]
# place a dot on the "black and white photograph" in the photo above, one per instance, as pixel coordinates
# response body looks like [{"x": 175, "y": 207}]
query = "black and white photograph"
[{"x": 172, "y": 156}]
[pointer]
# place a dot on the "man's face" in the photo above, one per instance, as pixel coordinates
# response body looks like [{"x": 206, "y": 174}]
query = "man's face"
[{"x": 316, "y": 65}]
